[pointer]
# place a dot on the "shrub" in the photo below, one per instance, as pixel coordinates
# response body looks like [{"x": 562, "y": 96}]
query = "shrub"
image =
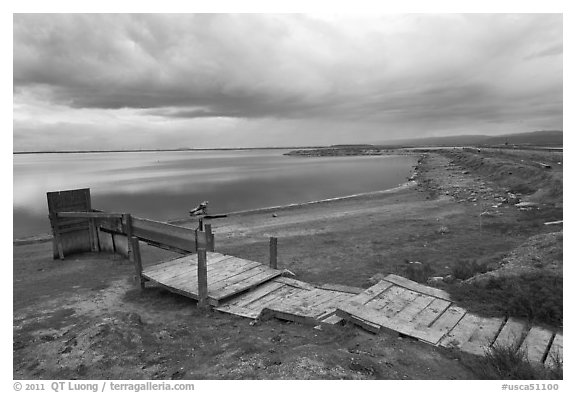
[{"x": 506, "y": 362}]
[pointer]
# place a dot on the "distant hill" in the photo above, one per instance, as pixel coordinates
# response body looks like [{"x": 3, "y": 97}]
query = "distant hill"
[{"x": 536, "y": 138}]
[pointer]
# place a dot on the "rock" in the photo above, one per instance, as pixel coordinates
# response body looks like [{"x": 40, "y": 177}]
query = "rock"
[
  {"x": 375, "y": 279},
  {"x": 443, "y": 230},
  {"x": 449, "y": 279},
  {"x": 465, "y": 172},
  {"x": 526, "y": 204},
  {"x": 274, "y": 215},
  {"x": 435, "y": 280},
  {"x": 512, "y": 199}
]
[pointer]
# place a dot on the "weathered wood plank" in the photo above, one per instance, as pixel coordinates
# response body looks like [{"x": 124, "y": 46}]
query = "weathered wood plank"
[
  {"x": 371, "y": 293},
  {"x": 392, "y": 305},
  {"x": 461, "y": 332},
  {"x": 427, "y": 316},
  {"x": 239, "y": 311},
  {"x": 273, "y": 299},
  {"x": 87, "y": 214},
  {"x": 160, "y": 232},
  {"x": 295, "y": 283},
  {"x": 414, "y": 286},
  {"x": 247, "y": 284},
  {"x": 440, "y": 327},
  {"x": 483, "y": 336},
  {"x": 512, "y": 334},
  {"x": 415, "y": 307},
  {"x": 341, "y": 288},
  {"x": 536, "y": 343},
  {"x": 555, "y": 354},
  {"x": 222, "y": 285},
  {"x": 331, "y": 306},
  {"x": 255, "y": 294},
  {"x": 332, "y": 320}
]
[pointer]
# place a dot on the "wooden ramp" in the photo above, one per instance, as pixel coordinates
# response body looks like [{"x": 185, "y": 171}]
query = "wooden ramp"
[
  {"x": 293, "y": 300},
  {"x": 399, "y": 305},
  {"x": 227, "y": 275}
]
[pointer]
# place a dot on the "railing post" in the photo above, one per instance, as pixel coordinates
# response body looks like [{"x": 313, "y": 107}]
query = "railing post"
[
  {"x": 127, "y": 226},
  {"x": 135, "y": 246},
  {"x": 209, "y": 237},
  {"x": 202, "y": 279},
  {"x": 273, "y": 252},
  {"x": 57, "y": 240}
]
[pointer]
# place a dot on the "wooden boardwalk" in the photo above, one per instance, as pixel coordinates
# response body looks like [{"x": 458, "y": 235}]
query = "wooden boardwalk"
[
  {"x": 405, "y": 307},
  {"x": 396, "y": 304},
  {"x": 293, "y": 300},
  {"x": 227, "y": 275}
]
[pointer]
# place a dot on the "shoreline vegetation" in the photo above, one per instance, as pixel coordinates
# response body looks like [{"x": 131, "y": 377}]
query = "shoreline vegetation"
[{"x": 481, "y": 223}]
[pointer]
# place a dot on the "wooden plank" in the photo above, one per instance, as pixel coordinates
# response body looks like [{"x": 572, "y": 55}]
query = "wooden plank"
[
  {"x": 371, "y": 293},
  {"x": 483, "y": 336},
  {"x": 392, "y": 305},
  {"x": 232, "y": 267},
  {"x": 427, "y": 316},
  {"x": 272, "y": 299},
  {"x": 555, "y": 356},
  {"x": 247, "y": 284},
  {"x": 255, "y": 294},
  {"x": 295, "y": 283},
  {"x": 163, "y": 233},
  {"x": 190, "y": 260},
  {"x": 512, "y": 334},
  {"x": 220, "y": 271},
  {"x": 120, "y": 244},
  {"x": 440, "y": 327},
  {"x": 341, "y": 288},
  {"x": 414, "y": 286},
  {"x": 414, "y": 308},
  {"x": 333, "y": 320},
  {"x": 77, "y": 228},
  {"x": 239, "y": 311},
  {"x": 105, "y": 240},
  {"x": 319, "y": 306},
  {"x": 331, "y": 306},
  {"x": 182, "y": 275},
  {"x": 461, "y": 332},
  {"x": 220, "y": 286},
  {"x": 87, "y": 214},
  {"x": 536, "y": 344}
]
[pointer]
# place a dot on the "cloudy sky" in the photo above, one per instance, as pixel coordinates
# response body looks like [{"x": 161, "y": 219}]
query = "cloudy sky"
[{"x": 215, "y": 80}]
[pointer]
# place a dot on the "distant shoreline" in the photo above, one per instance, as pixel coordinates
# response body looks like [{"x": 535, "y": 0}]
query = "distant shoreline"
[{"x": 163, "y": 150}]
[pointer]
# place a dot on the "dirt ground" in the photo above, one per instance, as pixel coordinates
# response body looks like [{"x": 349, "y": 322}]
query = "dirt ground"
[{"x": 85, "y": 318}]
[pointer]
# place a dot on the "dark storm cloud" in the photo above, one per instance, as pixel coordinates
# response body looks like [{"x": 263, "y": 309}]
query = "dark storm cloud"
[{"x": 398, "y": 70}]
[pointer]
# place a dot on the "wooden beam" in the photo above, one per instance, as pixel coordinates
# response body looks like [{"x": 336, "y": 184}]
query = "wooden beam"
[
  {"x": 209, "y": 237},
  {"x": 88, "y": 215},
  {"x": 164, "y": 233},
  {"x": 57, "y": 242},
  {"x": 273, "y": 252},
  {"x": 135, "y": 246},
  {"x": 202, "y": 279},
  {"x": 127, "y": 229}
]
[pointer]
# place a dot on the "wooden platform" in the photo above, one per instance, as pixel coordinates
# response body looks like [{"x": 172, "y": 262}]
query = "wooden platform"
[
  {"x": 293, "y": 300},
  {"x": 405, "y": 307},
  {"x": 227, "y": 275}
]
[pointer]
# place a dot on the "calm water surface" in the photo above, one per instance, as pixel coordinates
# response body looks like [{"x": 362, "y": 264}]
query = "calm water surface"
[{"x": 166, "y": 185}]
